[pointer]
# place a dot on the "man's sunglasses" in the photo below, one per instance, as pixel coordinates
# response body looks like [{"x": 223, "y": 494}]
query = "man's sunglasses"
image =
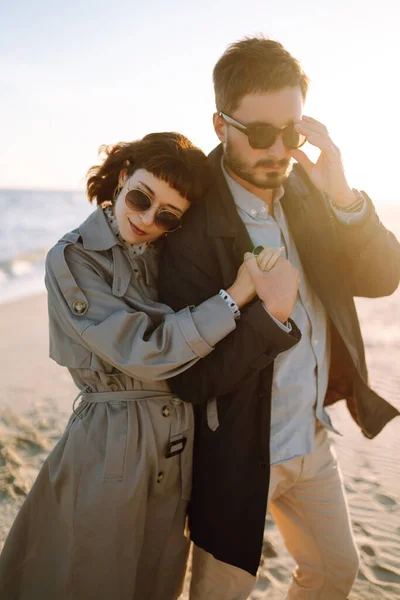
[
  {"x": 165, "y": 219},
  {"x": 265, "y": 135}
]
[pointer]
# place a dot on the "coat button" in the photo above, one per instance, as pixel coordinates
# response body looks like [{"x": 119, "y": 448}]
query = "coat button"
[
  {"x": 166, "y": 410},
  {"x": 176, "y": 401},
  {"x": 79, "y": 306},
  {"x": 160, "y": 477}
]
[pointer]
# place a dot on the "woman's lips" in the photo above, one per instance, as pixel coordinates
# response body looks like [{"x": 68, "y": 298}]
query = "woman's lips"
[{"x": 136, "y": 230}]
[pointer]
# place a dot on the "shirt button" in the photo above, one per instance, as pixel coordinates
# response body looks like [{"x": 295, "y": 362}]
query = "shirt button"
[
  {"x": 264, "y": 209},
  {"x": 166, "y": 410},
  {"x": 160, "y": 477},
  {"x": 315, "y": 342},
  {"x": 176, "y": 401},
  {"x": 253, "y": 212}
]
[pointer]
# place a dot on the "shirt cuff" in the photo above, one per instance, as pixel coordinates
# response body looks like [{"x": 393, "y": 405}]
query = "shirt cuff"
[
  {"x": 212, "y": 320},
  {"x": 350, "y": 218},
  {"x": 284, "y": 326}
]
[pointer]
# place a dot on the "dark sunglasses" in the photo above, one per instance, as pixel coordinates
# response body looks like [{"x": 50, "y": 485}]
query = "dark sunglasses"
[
  {"x": 265, "y": 135},
  {"x": 165, "y": 219}
]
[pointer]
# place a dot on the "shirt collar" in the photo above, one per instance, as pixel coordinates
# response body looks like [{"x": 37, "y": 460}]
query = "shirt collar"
[{"x": 248, "y": 202}]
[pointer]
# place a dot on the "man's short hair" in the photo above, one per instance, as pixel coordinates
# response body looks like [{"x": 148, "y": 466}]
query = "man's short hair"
[{"x": 255, "y": 65}]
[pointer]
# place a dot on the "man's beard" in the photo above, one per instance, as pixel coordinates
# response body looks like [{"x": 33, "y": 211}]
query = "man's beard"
[{"x": 269, "y": 180}]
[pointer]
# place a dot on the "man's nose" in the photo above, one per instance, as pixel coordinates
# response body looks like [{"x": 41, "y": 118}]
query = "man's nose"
[{"x": 278, "y": 150}]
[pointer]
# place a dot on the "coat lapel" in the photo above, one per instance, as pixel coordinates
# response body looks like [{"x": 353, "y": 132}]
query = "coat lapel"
[{"x": 224, "y": 223}]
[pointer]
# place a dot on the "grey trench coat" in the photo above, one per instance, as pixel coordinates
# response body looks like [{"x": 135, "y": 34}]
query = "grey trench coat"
[{"x": 105, "y": 517}]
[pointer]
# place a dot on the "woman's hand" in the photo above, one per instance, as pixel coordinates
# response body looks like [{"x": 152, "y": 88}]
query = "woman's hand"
[{"x": 243, "y": 289}]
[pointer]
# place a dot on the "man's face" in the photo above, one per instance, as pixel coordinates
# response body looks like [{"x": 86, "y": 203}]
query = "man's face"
[{"x": 262, "y": 168}]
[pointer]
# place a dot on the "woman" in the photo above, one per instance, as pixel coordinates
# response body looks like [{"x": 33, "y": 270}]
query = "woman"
[{"x": 105, "y": 517}]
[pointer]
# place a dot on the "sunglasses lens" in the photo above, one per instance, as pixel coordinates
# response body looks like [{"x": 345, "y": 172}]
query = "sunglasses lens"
[
  {"x": 262, "y": 136},
  {"x": 292, "y": 139},
  {"x": 137, "y": 200},
  {"x": 167, "y": 220}
]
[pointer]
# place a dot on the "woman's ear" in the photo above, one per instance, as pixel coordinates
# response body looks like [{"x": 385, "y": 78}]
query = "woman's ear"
[
  {"x": 122, "y": 177},
  {"x": 219, "y": 126}
]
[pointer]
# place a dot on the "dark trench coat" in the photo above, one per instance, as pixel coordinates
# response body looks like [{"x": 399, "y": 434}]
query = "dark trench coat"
[{"x": 231, "y": 457}]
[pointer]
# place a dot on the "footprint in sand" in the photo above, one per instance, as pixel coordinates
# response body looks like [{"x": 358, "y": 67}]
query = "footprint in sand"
[
  {"x": 278, "y": 574},
  {"x": 349, "y": 489},
  {"x": 263, "y": 584},
  {"x": 384, "y": 575},
  {"x": 360, "y": 529},
  {"x": 368, "y": 550},
  {"x": 385, "y": 500},
  {"x": 268, "y": 550}
]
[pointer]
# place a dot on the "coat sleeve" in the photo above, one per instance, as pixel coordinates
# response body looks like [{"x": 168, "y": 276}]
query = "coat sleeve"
[
  {"x": 83, "y": 308},
  {"x": 255, "y": 343},
  {"x": 373, "y": 255}
]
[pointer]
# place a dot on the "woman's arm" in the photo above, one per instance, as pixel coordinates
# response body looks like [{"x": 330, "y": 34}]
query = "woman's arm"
[{"x": 118, "y": 334}]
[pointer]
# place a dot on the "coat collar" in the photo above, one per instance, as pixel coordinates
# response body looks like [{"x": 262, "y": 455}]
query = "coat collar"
[
  {"x": 223, "y": 219},
  {"x": 96, "y": 233}
]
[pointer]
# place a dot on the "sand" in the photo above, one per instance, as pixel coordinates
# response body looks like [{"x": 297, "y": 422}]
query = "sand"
[{"x": 36, "y": 396}]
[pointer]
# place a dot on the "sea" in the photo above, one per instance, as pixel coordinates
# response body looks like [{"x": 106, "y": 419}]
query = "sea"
[{"x": 32, "y": 222}]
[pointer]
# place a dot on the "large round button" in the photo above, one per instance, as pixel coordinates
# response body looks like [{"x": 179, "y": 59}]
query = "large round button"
[
  {"x": 166, "y": 410},
  {"x": 160, "y": 477},
  {"x": 79, "y": 307}
]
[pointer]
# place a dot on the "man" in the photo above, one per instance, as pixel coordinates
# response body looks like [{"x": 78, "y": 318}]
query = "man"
[{"x": 265, "y": 418}]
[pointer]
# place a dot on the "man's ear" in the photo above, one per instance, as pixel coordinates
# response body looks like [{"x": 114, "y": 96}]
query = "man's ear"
[{"x": 220, "y": 127}]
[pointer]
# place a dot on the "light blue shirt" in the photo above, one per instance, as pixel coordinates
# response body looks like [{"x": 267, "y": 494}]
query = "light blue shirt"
[{"x": 300, "y": 377}]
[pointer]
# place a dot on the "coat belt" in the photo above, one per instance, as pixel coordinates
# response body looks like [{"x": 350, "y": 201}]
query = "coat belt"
[{"x": 127, "y": 395}]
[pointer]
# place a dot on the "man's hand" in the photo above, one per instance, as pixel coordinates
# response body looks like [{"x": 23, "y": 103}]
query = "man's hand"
[
  {"x": 276, "y": 288},
  {"x": 327, "y": 174},
  {"x": 243, "y": 290}
]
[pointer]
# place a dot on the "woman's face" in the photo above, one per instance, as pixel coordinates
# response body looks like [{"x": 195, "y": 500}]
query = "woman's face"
[{"x": 139, "y": 227}]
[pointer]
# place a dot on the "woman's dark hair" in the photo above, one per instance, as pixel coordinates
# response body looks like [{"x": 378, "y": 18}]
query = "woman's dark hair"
[
  {"x": 169, "y": 156},
  {"x": 255, "y": 65}
]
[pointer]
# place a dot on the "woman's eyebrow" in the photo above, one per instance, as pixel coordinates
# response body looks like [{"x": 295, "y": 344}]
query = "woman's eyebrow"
[
  {"x": 153, "y": 194},
  {"x": 147, "y": 187}
]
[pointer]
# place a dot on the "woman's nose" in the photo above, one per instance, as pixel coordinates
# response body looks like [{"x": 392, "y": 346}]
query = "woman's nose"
[{"x": 148, "y": 217}]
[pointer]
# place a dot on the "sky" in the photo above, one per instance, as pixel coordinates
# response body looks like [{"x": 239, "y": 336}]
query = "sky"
[{"x": 75, "y": 75}]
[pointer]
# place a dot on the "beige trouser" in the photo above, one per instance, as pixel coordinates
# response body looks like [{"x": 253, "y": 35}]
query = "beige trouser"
[{"x": 307, "y": 502}]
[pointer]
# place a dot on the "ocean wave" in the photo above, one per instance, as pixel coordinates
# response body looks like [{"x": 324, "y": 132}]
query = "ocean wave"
[{"x": 32, "y": 222}]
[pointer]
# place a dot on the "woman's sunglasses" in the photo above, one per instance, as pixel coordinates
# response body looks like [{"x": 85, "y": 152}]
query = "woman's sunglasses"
[
  {"x": 265, "y": 135},
  {"x": 165, "y": 219}
]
